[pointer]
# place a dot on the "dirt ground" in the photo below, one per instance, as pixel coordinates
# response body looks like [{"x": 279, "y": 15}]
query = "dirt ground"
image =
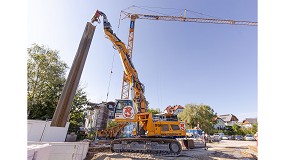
[
  {"x": 231, "y": 149},
  {"x": 223, "y": 150}
]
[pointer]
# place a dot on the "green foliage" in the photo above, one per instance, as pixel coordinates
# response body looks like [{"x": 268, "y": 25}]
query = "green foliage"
[
  {"x": 91, "y": 135},
  {"x": 111, "y": 123},
  {"x": 153, "y": 111},
  {"x": 237, "y": 130},
  {"x": 194, "y": 114},
  {"x": 45, "y": 77},
  {"x": 228, "y": 130},
  {"x": 76, "y": 114},
  {"x": 252, "y": 130}
]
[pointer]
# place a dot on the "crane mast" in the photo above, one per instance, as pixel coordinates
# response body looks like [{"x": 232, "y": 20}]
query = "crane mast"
[
  {"x": 126, "y": 84},
  {"x": 133, "y": 17}
]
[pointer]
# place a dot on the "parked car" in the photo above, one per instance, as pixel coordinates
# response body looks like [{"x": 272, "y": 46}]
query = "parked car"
[
  {"x": 231, "y": 137},
  {"x": 220, "y": 135},
  {"x": 214, "y": 138},
  {"x": 249, "y": 137},
  {"x": 225, "y": 137},
  {"x": 238, "y": 137}
]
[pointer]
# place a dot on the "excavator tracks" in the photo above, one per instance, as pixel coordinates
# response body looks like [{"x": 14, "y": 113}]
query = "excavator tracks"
[{"x": 147, "y": 145}]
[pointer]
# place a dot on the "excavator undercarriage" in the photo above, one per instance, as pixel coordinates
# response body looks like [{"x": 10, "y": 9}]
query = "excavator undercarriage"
[{"x": 147, "y": 145}]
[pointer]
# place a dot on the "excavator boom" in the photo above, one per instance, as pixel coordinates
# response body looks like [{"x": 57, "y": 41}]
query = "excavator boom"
[{"x": 129, "y": 68}]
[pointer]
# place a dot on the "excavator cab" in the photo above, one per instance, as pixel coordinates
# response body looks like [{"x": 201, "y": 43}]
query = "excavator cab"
[{"x": 124, "y": 110}]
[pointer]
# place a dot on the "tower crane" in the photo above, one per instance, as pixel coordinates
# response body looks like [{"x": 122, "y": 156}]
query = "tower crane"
[{"x": 134, "y": 16}]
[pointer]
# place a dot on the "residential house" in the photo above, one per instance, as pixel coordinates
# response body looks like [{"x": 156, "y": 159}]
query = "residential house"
[
  {"x": 225, "y": 120},
  {"x": 90, "y": 119},
  {"x": 220, "y": 123},
  {"x": 97, "y": 114},
  {"x": 239, "y": 123},
  {"x": 175, "y": 110},
  {"x": 248, "y": 122}
]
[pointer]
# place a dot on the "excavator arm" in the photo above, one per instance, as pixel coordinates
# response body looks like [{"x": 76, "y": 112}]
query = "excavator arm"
[{"x": 129, "y": 68}]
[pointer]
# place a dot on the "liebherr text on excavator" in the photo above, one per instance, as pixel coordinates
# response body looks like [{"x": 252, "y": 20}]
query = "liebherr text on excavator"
[{"x": 151, "y": 136}]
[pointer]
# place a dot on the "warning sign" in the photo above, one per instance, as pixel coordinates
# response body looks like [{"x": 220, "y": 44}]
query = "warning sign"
[
  {"x": 182, "y": 126},
  {"x": 128, "y": 112}
]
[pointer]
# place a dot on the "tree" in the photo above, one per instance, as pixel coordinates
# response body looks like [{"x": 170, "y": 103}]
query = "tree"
[
  {"x": 251, "y": 130},
  {"x": 254, "y": 128},
  {"x": 45, "y": 76},
  {"x": 194, "y": 114},
  {"x": 76, "y": 118},
  {"x": 111, "y": 123},
  {"x": 237, "y": 130},
  {"x": 153, "y": 111},
  {"x": 228, "y": 130}
]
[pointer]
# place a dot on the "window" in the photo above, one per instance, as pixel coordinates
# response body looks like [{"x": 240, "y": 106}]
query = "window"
[
  {"x": 164, "y": 127},
  {"x": 119, "y": 108},
  {"x": 121, "y": 104},
  {"x": 175, "y": 127}
]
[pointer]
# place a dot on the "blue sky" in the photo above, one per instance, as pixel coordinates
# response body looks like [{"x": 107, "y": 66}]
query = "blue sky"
[{"x": 179, "y": 63}]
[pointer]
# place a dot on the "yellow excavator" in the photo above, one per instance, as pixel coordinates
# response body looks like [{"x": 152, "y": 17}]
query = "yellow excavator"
[{"x": 151, "y": 135}]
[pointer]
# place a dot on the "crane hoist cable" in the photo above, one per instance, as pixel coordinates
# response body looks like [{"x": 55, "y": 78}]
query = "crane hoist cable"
[{"x": 111, "y": 72}]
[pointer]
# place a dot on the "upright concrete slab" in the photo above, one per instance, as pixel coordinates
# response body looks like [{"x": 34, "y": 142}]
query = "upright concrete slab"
[
  {"x": 63, "y": 108},
  {"x": 41, "y": 131}
]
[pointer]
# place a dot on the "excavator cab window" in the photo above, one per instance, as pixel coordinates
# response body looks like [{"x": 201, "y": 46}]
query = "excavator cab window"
[
  {"x": 172, "y": 118},
  {"x": 175, "y": 127},
  {"x": 164, "y": 127},
  {"x": 121, "y": 104},
  {"x": 155, "y": 118}
]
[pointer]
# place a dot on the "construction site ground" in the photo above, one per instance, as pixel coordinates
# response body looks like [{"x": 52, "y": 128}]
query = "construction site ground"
[{"x": 223, "y": 150}]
